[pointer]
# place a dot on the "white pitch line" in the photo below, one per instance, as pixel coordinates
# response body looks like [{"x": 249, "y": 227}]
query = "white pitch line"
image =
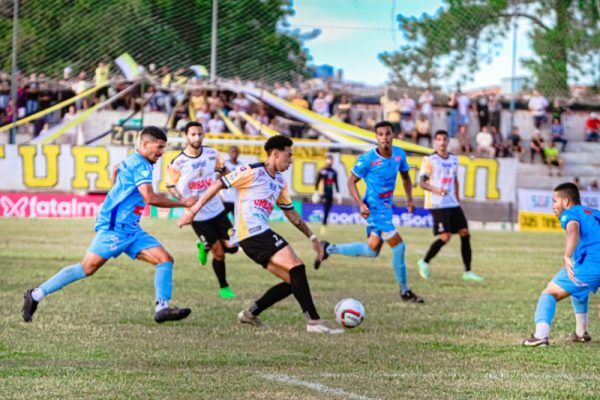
[{"x": 314, "y": 386}]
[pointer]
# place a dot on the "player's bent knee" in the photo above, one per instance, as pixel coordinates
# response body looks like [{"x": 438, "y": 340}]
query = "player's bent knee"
[
  {"x": 445, "y": 237},
  {"x": 555, "y": 291}
]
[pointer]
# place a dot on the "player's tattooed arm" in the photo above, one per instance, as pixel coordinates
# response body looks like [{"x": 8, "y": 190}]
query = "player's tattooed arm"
[
  {"x": 297, "y": 221},
  {"x": 571, "y": 243},
  {"x": 456, "y": 192},
  {"x": 425, "y": 185}
]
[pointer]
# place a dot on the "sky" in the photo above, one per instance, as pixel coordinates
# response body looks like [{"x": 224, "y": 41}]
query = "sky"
[{"x": 354, "y": 32}]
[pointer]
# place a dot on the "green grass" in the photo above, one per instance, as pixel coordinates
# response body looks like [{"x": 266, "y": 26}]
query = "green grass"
[{"x": 97, "y": 338}]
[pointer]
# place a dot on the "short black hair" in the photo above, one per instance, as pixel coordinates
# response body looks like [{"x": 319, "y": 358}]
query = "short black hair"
[
  {"x": 570, "y": 191},
  {"x": 191, "y": 124},
  {"x": 440, "y": 132},
  {"x": 153, "y": 133},
  {"x": 279, "y": 142},
  {"x": 383, "y": 124}
]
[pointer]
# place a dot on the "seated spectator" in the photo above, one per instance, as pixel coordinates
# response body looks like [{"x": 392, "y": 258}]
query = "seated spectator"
[
  {"x": 321, "y": 104},
  {"x": 242, "y": 102},
  {"x": 464, "y": 140},
  {"x": 537, "y": 146},
  {"x": 236, "y": 117},
  {"x": 537, "y": 105},
  {"x": 407, "y": 106},
  {"x": 485, "y": 143},
  {"x": 422, "y": 129},
  {"x": 407, "y": 128},
  {"x": 558, "y": 132},
  {"x": 280, "y": 91},
  {"x": 299, "y": 101},
  {"x": 516, "y": 148},
  {"x": 216, "y": 124},
  {"x": 552, "y": 158},
  {"x": 392, "y": 113},
  {"x": 501, "y": 150},
  {"x": 593, "y": 186},
  {"x": 592, "y": 128},
  {"x": 203, "y": 116}
]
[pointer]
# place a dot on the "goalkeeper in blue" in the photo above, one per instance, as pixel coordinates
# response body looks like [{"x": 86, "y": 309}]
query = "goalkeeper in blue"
[
  {"x": 379, "y": 168},
  {"x": 118, "y": 231},
  {"x": 580, "y": 275}
]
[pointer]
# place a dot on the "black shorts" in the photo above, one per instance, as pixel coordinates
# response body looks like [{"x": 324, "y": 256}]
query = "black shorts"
[
  {"x": 260, "y": 248},
  {"x": 213, "y": 229},
  {"x": 229, "y": 207},
  {"x": 448, "y": 220}
]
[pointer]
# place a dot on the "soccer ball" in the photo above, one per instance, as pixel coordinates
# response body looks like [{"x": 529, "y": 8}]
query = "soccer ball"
[{"x": 349, "y": 312}]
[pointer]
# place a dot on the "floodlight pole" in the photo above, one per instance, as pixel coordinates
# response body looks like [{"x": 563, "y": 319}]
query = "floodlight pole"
[
  {"x": 213, "y": 43},
  {"x": 12, "y": 135},
  {"x": 513, "y": 84}
]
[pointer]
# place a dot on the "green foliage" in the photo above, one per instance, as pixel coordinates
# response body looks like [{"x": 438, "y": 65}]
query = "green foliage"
[
  {"x": 79, "y": 33},
  {"x": 459, "y": 37}
]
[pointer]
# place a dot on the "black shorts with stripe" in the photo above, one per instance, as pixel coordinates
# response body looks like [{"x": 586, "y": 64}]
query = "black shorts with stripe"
[
  {"x": 260, "y": 248},
  {"x": 214, "y": 229},
  {"x": 449, "y": 220}
]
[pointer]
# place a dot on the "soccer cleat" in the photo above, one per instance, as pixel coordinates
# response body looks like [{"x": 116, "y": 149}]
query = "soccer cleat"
[
  {"x": 325, "y": 255},
  {"x": 29, "y": 306},
  {"x": 171, "y": 314},
  {"x": 423, "y": 269},
  {"x": 226, "y": 293},
  {"x": 535, "y": 342},
  {"x": 580, "y": 339},
  {"x": 202, "y": 253},
  {"x": 410, "y": 297},
  {"x": 323, "y": 326},
  {"x": 472, "y": 276},
  {"x": 246, "y": 317}
]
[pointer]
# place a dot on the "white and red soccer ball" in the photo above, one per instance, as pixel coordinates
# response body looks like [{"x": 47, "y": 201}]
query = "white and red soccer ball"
[{"x": 349, "y": 312}]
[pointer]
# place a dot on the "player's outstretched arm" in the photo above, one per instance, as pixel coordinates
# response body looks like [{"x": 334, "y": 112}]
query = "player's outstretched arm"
[
  {"x": 190, "y": 213},
  {"x": 295, "y": 218},
  {"x": 571, "y": 243},
  {"x": 158, "y": 200}
]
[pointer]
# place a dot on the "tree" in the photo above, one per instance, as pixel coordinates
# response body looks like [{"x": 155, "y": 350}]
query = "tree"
[
  {"x": 461, "y": 35},
  {"x": 253, "y": 42}
]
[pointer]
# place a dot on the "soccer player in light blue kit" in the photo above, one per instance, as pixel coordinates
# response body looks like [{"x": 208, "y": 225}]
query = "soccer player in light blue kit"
[
  {"x": 379, "y": 167},
  {"x": 118, "y": 230},
  {"x": 581, "y": 274}
]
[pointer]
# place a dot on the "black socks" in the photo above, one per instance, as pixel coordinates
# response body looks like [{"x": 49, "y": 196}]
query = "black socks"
[
  {"x": 219, "y": 268},
  {"x": 271, "y": 296},
  {"x": 465, "y": 249},
  {"x": 434, "y": 249},
  {"x": 301, "y": 291}
]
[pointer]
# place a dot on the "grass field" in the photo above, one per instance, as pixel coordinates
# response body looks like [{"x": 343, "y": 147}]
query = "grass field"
[{"x": 97, "y": 338}]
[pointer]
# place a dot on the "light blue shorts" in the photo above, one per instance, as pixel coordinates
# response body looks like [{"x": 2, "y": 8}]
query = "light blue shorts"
[
  {"x": 110, "y": 244},
  {"x": 587, "y": 280},
  {"x": 380, "y": 221}
]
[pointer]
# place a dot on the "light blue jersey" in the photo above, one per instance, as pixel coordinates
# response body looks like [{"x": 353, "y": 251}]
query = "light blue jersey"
[
  {"x": 124, "y": 204},
  {"x": 118, "y": 223},
  {"x": 380, "y": 175},
  {"x": 589, "y": 232},
  {"x": 586, "y": 259}
]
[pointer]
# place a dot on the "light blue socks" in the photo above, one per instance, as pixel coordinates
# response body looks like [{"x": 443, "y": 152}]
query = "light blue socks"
[
  {"x": 64, "y": 277},
  {"x": 400, "y": 266},
  {"x": 580, "y": 306},
  {"x": 163, "y": 281},
  {"x": 545, "y": 309},
  {"x": 356, "y": 249}
]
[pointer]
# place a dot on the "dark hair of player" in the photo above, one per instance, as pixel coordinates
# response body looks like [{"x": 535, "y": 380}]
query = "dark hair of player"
[
  {"x": 440, "y": 132},
  {"x": 570, "y": 191},
  {"x": 153, "y": 133},
  {"x": 192, "y": 124},
  {"x": 383, "y": 124},
  {"x": 278, "y": 142}
]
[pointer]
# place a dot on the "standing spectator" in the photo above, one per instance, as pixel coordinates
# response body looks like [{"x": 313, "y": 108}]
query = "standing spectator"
[
  {"x": 70, "y": 134},
  {"x": 343, "y": 108},
  {"x": 4, "y": 90},
  {"x": 197, "y": 99},
  {"x": 464, "y": 140},
  {"x": 593, "y": 186},
  {"x": 495, "y": 112},
  {"x": 216, "y": 124},
  {"x": 407, "y": 106},
  {"x": 426, "y": 104},
  {"x": 203, "y": 116},
  {"x": 463, "y": 105},
  {"x": 299, "y": 101},
  {"x": 422, "y": 129},
  {"x": 392, "y": 114},
  {"x": 407, "y": 128},
  {"x": 516, "y": 148},
  {"x": 537, "y": 106},
  {"x": 592, "y": 128},
  {"x": 163, "y": 96},
  {"x": 32, "y": 95},
  {"x": 452, "y": 115},
  {"x": 235, "y": 117},
  {"x": 552, "y": 158},
  {"x": 483, "y": 113},
  {"x": 101, "y": 78},
  {"x": 321, "y": 104},
  {"x": 499, "y": 146},
  {"x": 557, "y": 109},
  {"x": 558, "y": 132},
  {"x": 536, "y": 146},
  {"x": 80, "y": 86},
  {"x": 485, "y": 143}
]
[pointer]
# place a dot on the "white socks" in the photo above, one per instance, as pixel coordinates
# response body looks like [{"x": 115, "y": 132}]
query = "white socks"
[
  {"x": 37, "y": 294},
  {"x": 542, "y": 330},
  {"x": 581, "y": 324},
  {"x": 160, "y": 304}
]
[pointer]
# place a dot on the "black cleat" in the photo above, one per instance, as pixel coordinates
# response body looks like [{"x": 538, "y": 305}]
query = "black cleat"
[
  {"x": 29, "y": 306},
  {"x": 580, "y": 339},
  {"x": 171, "y": 314},
  {"x": 535, "y": 342},
  {"x": 325, "y": 255},
  {"x": 410, "y": 297}
]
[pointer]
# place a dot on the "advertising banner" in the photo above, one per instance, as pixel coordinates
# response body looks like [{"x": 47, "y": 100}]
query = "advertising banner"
[
  {"x": 49, "y": 205},
  {"x": 350, "y": 214}
]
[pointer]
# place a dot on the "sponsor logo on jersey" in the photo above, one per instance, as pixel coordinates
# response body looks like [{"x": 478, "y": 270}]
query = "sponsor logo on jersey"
[
  {"x": 398, "y": 158},
  {"x": 199, "y": 164},
  {"x": 447, "y": 165},
  {"x": 386, "y": 195},
  {"x": 254, "y": 229},
  {"x": 587, "y": 211},
  {"x": 375, "y": 163},
  {"x": 263, "y": 204},
  {"x": 138, "y": 210},
  {"x": 201, "y": 184}
]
